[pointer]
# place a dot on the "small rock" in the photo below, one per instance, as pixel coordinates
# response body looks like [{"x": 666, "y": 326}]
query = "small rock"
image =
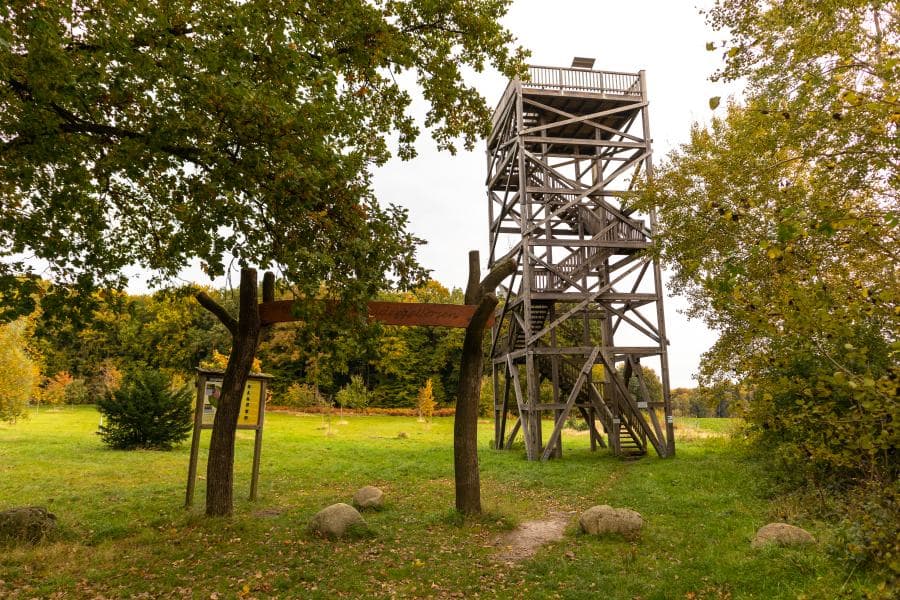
[
  {"x": 26, "y": 523},
  {"x": 781, "y": 534},
  {"x": 368, "y": 497},
  {"x": 336, "y": 520},
  {"x": 599, "y": 520}
]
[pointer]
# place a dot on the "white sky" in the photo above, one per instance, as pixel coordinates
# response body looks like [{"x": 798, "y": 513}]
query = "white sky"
[{"x": 446, "y": 195}]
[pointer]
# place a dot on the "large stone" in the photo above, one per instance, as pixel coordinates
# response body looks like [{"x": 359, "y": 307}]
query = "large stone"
[
  {"x": 368, "y": 497},
  {"x": 604, "y": 519},
  {"x": 337, "y": 520},
  {"x": 781, "y": 534},
  {"x": 26, "y": 523}
]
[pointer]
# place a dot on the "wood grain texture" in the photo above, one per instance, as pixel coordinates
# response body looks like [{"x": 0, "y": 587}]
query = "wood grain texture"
[{"x": 388, "y": 313}]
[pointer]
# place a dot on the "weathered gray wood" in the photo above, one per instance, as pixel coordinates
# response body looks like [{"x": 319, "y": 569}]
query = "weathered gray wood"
[
  {"x": 195, "y": 443},
  {"x": 512, "y": 434},
  {"x": 257, "y": 439},
  {"x": 563, "y": 159},
  {"x": 630, "y": 405},
  {"x": 639, "y": 373},
  {"x": 520, "y": 403},
  {"x": 570, "y": 401}
]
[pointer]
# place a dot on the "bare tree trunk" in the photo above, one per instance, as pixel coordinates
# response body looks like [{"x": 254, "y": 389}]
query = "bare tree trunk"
[
  {"x": 465, "y": 424},
  {"x": 245, "y": 333}
]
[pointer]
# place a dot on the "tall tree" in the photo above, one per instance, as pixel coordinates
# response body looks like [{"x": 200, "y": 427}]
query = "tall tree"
[
  {"x": 781, "y": 221},
  {"x": 19, "y": 372},
  {"x": 224, "y": 132}
]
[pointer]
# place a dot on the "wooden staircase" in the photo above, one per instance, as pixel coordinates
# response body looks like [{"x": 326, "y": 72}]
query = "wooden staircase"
[
  {"x": 630, "y": 441},
  {"x": 539, "y": 312}
]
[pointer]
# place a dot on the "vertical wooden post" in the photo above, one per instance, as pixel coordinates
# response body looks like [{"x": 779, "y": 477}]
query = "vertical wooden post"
[
  {"x": 657, "y": 281},
  {"x": 195, "y": 441},
  {"x": 257, "y": 441}
]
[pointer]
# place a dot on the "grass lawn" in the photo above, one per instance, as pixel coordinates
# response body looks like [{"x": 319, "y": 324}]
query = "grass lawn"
[{"x": 124, "y": 533}]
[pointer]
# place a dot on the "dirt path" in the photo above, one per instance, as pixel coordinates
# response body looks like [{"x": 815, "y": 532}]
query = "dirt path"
[{"x": 523, "y": 541}]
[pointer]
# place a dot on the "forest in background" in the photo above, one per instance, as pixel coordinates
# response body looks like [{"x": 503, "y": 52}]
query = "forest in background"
[{"x": 54, "y": 362}]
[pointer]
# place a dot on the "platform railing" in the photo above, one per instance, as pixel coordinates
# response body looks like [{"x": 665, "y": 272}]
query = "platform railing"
[
  {"x": 566, "y": 79},
  {"x": 583, "y": 80}
]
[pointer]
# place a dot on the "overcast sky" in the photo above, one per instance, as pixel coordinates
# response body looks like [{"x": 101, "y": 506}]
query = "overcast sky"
[{"x": 445, "y": 194}]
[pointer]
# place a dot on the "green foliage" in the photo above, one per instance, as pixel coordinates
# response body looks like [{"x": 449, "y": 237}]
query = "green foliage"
[
  {"x": 406, "y": 356},
  {"x": 146, "y": 413},
  {"x": 486, "y": 398},
  {"x": 425, "y": 401},
  {"x": 396, "y": 360},
  {"x": 165, "y": 331},
  {"x": 354, "y": 394},
  {"x": 77, "y": 392},
  {"x": 18, "y": 371},
  {"x": 300, "y": 395},
  {"x": 780, "y": 220},
  {"x": 128, "y": 138},
  {"x": 869, "y": 531},
  {"x": 651, "y": 380}
]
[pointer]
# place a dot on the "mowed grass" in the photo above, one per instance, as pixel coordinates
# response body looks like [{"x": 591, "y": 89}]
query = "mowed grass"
[{"x": 124, "y": 532}]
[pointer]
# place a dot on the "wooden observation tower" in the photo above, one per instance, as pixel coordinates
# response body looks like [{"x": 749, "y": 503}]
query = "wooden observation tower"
[{"x": 582, "y": 315}]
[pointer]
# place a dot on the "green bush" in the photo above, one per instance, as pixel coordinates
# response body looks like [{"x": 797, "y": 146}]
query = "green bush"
[
  {"x": 146, "y": 412},
  {"x": 486, "y": 398},
  {"x": 77, "y": 392},
  {"x": 869, "y": 531},
  {"x": 301, "y": 395},
  {"x": 354, "y": 394}
]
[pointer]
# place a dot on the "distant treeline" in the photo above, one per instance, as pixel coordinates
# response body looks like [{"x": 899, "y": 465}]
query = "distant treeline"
[{"x": 169, "y": 331}]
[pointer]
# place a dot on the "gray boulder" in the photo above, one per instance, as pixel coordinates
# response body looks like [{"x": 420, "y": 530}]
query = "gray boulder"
[
  {"x": 26, "y": 523},
  {"x": 781, "y": 534},
  {"x": 368, "y": 497},
  {"x": 604, "y": 519},
  {"x": 337, "y": 520}
]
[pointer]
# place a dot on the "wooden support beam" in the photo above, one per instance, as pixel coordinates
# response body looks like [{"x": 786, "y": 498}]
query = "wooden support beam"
[
  {"x": 520, "y": 402},
  {"x": 388, "y": 313},
  {"x": 570, "y": 402}
]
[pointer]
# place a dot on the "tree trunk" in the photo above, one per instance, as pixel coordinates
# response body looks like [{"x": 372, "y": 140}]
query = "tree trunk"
[
  {"x": 465, "y": 423},
  {"x": 245, "y": 339}
]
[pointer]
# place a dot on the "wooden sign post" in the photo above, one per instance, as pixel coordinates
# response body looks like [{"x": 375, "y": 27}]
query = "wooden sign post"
[{"x": 252, "y": 416}]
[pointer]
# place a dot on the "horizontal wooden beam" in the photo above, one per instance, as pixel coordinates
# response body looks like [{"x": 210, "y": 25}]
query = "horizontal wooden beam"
[
  {"x": 387, "y": 313},
  {"x": 536, "y": 139}
]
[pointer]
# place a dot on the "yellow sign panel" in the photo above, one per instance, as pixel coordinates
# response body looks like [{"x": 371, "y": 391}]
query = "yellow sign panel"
[
  {"x": 249, "y": 416},
  {"x": 250, "y": 400}
]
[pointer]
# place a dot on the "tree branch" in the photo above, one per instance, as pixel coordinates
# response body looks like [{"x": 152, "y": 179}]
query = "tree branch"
[
  {"x": 484, "y": 311},
  {"x": 501, "y": 271},
  {"x": 75, "y": 124},
  {"x": 218, "y": 310},
  {"x": 473, "y": 289}
]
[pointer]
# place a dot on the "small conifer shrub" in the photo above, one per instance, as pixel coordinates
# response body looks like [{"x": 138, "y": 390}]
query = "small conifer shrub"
[{"x": 146, "y": 412}]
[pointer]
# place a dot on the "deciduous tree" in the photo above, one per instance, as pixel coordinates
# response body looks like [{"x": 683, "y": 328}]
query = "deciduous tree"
[
  {"x": 19, "y": 373},
  {"x": 226, "y": 133},
  {"x": 780, "y": 219}
]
